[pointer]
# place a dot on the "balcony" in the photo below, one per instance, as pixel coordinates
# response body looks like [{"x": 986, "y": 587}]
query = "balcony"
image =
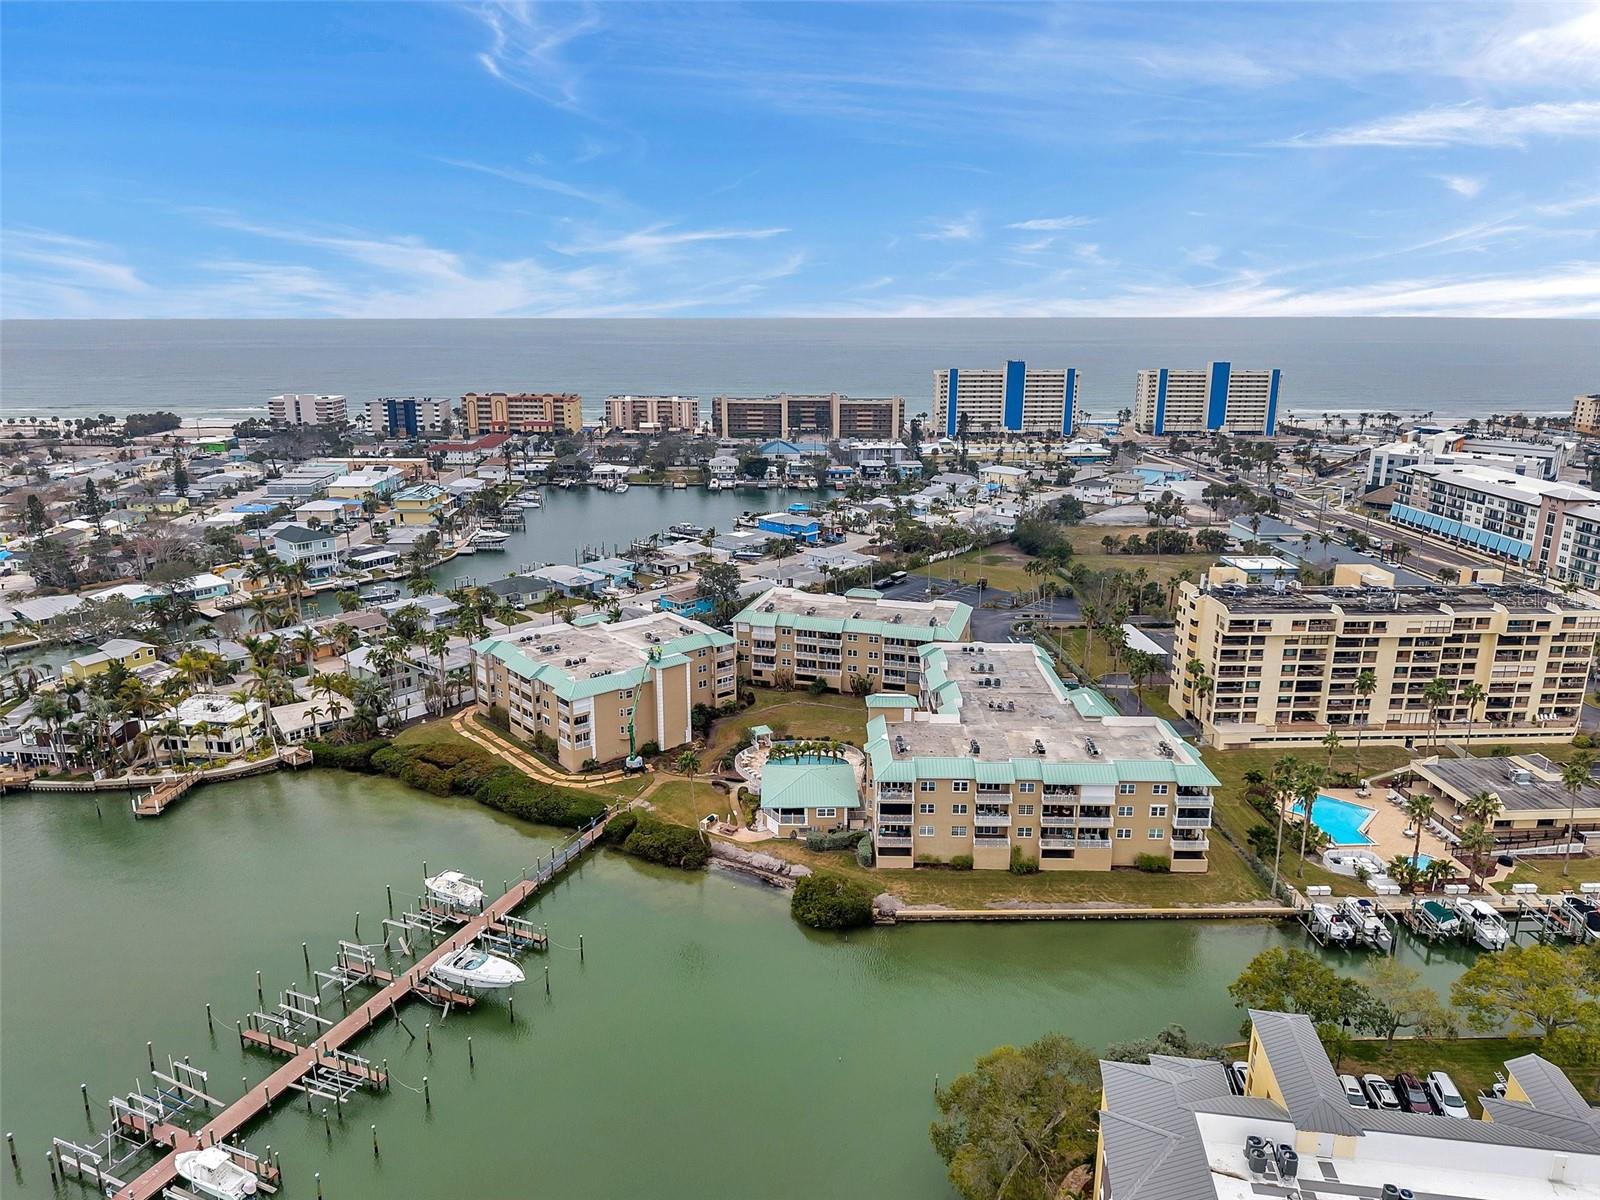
[
  {"x": 1057, "y": 820},
  {"x": 992, "y": 816},
  {"x": 1047, "y": 843},
  {"x": 991, "y": 843},
  {"x": 1191, "y": 821},
  {"x": 1198, "y": 843},
  {"x": 885, "y": 842},
  {"x": 1093, "y": 822}
]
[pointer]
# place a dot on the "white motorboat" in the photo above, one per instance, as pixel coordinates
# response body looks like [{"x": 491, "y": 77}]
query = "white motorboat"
[
  {"x": 687, "y": 529},
  {"x": 211, "y": 1172},
  {"x": 679, "y": 485},
  {"x": 1332, "y": 925},
  {"x": 1485, "y": 925},
  {"x": 473, "y": 970},
  {"x": 454, "y": 889},
  {"x": 621, "y": 486},
  {"x": 380, "y": 593},
  {"x": 489, "y": 539},
  {"x": 530, "y": 503},
  {"x": 1370, "y": 927}
]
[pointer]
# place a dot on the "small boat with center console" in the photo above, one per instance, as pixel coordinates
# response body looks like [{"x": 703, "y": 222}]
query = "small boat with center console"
[
  {"x": 1371, "y": 929},
  {"x": 212, "y": 1172},
  {"x": 1328, "y": 923},
  {"x": 1485, "y": 925},
  {"x": 455, "y": 890}
]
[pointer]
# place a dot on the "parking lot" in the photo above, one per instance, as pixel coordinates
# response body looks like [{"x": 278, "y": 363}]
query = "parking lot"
[{"x": 988, "y": 624}]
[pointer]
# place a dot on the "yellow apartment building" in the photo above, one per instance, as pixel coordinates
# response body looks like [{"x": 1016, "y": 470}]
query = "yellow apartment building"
[
  {"x": 420, "y": 504},
  {"x": 839, "y": 639},
  {"x": 1259, "y": 666},
  {"x": 522, "y": 412},
  {"x": 995, "y": 754},
  {"x": 582, "y": 684}
]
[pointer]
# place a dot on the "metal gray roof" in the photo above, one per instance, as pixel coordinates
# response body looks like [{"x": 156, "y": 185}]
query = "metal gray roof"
[
  {"x": 1450, "y": 1129},
  {"x": 1548, "y": 1087},
  {"x": 1513, "y": 1114},
  {"x": 1153, "y": 1150},
  {"x": 1311, "y": 1089}
]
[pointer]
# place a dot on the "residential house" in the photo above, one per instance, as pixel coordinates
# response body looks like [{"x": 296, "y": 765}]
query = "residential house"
[
  {"x": 129, "y": 653},
  {"x": 420, "y": 504},
  {"x": 315, "y": 549}
]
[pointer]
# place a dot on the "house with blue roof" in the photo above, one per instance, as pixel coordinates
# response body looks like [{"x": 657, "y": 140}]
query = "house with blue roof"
[{"x": 802, "y": 528}]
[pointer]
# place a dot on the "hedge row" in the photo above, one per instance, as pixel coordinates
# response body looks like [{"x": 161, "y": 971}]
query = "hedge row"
[
  {"x": 658, "y": 841},
  {"x": 445, "y": 769},
  {"x": 826, "y": 901}
]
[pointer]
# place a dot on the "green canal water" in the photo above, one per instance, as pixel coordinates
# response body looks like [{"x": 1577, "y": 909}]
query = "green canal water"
[{"x": 706, "y": 1045}]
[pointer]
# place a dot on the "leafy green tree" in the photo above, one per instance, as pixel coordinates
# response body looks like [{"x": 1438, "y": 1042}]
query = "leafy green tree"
[
  {"x": 1019, "y": 1121},
  {"x": 1173, "y": 1040},
  {"x": 1288, "y": 979},
  {"x": 1402, "y": 1001},
  {"x": 34, "y": 518},
  {"x": 719, "y": 583},
  {"x": 1537, "y": 990},
  {"x": 824, "y": 900}
]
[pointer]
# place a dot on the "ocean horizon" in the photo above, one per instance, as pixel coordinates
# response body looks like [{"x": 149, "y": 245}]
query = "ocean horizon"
[{"x": 1452, "y": 367}]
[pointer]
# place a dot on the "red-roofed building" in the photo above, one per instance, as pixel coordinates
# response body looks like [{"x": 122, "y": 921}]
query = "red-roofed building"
[{"x": 470, "y": 454}]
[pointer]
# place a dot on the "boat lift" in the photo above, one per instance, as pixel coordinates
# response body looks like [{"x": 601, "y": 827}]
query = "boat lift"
[
  {"x": 1423, "y": 921},
  {"x": 512, "y": 937},
  {"x": 1552, "y": 922},
  {"x": 296, "y": 1016}
]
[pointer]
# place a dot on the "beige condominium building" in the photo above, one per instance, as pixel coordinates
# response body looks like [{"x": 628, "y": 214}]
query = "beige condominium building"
[
  {"x": 1259, "y": 666},
  {"x": 827, "y": 416},
  {"x": 995, "y": 754},
  {"x": 1586, "y": 413},
  {"x": 303, "y": 408},
  {"x": 840, "y": 639},
  {"x": 522, "y": 412},
  {"x": 653, "y": 414},
  {"x": 583, "y": 684}
]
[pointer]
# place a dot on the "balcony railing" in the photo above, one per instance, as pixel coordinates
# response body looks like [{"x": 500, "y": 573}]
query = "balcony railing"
[
  {"x": 987, "y": 816},
  {"x": 1048, "y": 843},
  {"x": 1058, "y": 822},
  {"x": 991, "y": 843},
  {"x": 1191, "y": 843},
  {"x": 892, "y": 843},
  {"x": 1183, "y": 822},
  {"x": 1093, "y": 822}
]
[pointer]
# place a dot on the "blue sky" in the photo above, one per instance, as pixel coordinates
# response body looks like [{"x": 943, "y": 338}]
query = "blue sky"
[{"x": 378, "y": 160}]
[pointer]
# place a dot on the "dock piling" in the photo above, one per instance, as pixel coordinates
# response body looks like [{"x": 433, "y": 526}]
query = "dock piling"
[
  {"x": 472, "y": 1063},
  {"x": 427, "y": 1033},
  {"x": 83, "y": 1090},
  {"x": 50, "y": 1161},
  {"x": 388, "y": 894},
  {"x": 511, "y": 1008},
  {"x": 306, "y": 954},
  {"x": 358, "y": 925},
  {"x": 547, "y": 983},
  {"x": 374, "y": 1141},
  {"x": 427, "y": 1102},
  {"x": 326, "y": 1128},
  {"x": 317, "y": 1175},
  {"x": 11, "y": 1140},
  {"x": 208, "y": 1016},
  {"x": 580, "y": 947},
  {"x": 261, "y": 998},
  {"x": 150, "y": 1053}
]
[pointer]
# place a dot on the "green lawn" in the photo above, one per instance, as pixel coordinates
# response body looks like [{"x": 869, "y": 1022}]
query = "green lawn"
[
  {"x": 429, "y": 732},
  {"x": 1002, "y": 565},
  {"x": 797, "y": 714},
  {"x": 673, "y": 800},
  {"x": 1471, "y": 1062},
  {"x": 1228, "y": 880},
  {"x": 1547, "y": 874}
]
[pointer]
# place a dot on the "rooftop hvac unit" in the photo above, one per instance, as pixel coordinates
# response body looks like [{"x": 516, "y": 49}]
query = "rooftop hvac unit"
[
  {"x": 1288, "y": 1162},
  {"x": 1093, "y": 748},
  {"x": 1038, "y": 746},
  {"x": 1011, "y": 706},
  {"x": 972, "y": 747}
]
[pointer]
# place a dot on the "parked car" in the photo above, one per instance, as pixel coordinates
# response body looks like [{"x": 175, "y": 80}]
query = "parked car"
[
  {"x": 1445, "y": 1095},
  {"x": 1413, "y": 1096},
  {"x": 1237, "y": 1072},
  {"x": 1353, "y": 1092},
  {"x": 1379, "y": 1092}
]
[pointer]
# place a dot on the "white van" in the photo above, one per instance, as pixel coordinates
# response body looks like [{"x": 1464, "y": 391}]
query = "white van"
[{"x": 1445, "y": 1094}]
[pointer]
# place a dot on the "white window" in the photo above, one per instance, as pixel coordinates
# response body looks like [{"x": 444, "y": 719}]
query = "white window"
[
  {"x": 958, "y": 831},
  {"x": 1158, "y": 789},
  {"x": 926, "y": 810},
  {"x": 958, "y": 810},
  {"x": 1124, "y": 810},
  {"x": 1127, "y": 789},
  {"x": 1024, "y": 831},
  {"x": 1156, "y": 835},
  {"x": 1158, "y": 810},
  {"x": 960, "y": 785},
  {"x": 924, "y": 830},
  {"x": 1025, "y": 788},
  {"x": 927, "y": 785},
  {"x": 1024, "y": 810},
  {"x": 826, "y": 812},
  {"x": 1124, "y": 834}
]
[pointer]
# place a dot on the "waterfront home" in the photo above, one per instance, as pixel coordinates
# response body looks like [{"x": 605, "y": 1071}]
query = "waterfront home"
[
  {"x": 803, "y": 797},
  {"x": 840, "y": 639},
  {"x": 563, "y": 580},
  {"x": 521, "y": 591},
  {"x": 836, "y": 558},
  {"x": 372, "y": 558},
  {"x": 991, "y": 755},
  {"x": 724, "y": 469},
  {"x": 619, "y": 572},
  {"x": 420, "y": 504},
  {"x": 412, "y": 678},
  {"x": 1173, "y": 1127},
  {"x": 437, "y": 612},
  {"x": 327, "y": 513},
  {"x": 314, "y": 549},
  {"x": 467, "y": 455},
  {"x": 584, "y": 686},
  {"x": 305, "y": 720},
  {"x": 129, "y": 653},
  {"x": 798, "y": 527},
  {"x": 208, "y": 725},
  {"x": 684, "y": 601}
]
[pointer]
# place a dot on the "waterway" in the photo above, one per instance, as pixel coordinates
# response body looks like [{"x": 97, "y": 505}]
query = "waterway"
[{"x": 706, "y": 1045}]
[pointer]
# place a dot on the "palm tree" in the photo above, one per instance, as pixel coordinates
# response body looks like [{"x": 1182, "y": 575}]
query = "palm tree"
[
  {"x": 1472, "y": 696},
  {"x": 438, "y": 643},
  {"x": 1437, "y": 693},
  {"x": 52, "y": 710},
  {"x": 1285, "y": 790},
  {"x": 1477, "y": 842},
  {"x": 1330, "y": 740},
  {"x": 263, "y": 613},
  {"x": 1366, "y": 685},
  {"x": 1417, "y": 808},
  {"x": 1309, "y": 785},
  {"x": 688, "y": 764},
  {"x": 305, "y": 645},
  {"x": 1575, "y": 776}
]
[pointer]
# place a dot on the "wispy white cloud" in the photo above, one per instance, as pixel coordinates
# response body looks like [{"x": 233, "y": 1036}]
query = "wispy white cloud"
[
  {"x": 966, "y": 228},
  {"x": 658, "y": 238},
  {"x": 1051, "y": 224},
  {"x": 72, "y": 259},
  {"x": 532, "y": 179},
  {"x": 527, "y": 48},
  {"x": 1470, "y": 124},
  {"x": 1567, "y": 51},
  {"x": 1461, "y": 185}
]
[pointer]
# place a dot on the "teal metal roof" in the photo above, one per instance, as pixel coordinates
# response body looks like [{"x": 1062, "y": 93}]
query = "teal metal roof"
[
  {"x": 566, "y": 686},
  {"x": 808, "y": 785},
  {"x": 890, "y": 700},
  {"x": 594, "y": 618},
  {"x": 864, "y": 594},
  {"x": 761, "y": 731}
]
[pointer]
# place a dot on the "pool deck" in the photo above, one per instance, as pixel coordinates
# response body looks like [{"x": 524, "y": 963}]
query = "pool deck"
[{"x": 1387, "y": 825}]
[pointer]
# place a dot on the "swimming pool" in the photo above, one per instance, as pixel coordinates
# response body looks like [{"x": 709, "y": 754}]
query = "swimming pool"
[
  {"x": 1339, "y": 819},
  {"x": 803, "y": 760}
]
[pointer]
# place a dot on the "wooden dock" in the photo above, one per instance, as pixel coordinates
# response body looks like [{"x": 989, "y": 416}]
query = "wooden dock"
[
  {"x": 325, "y": 1050},
  {"x": 154, "y": 802}
]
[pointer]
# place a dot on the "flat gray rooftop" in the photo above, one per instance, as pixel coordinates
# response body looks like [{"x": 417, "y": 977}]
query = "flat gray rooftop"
[
  {"x": 1020, "y": 705},
  {"x": 1482, "y": 597},
  {"x": 847, "y": 608},
  {"x": 604, "y": 649},
  {"x": 1469, "y": 776}
]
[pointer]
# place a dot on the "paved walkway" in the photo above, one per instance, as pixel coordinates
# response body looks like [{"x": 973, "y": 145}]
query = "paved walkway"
[{"x": 464, "y": 724}]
